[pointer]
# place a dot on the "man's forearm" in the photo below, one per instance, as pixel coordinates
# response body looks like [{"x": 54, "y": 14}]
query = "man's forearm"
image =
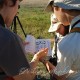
[
  {"x": 48, "y": 65},
  {"x": 30, "y": 73},
  {"x": 34, "y": 62}
]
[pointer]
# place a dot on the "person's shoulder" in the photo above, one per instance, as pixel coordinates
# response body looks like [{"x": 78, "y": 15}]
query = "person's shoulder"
[
  {"x": 67, "y": 44},
  {"x": 6, "y": 35}
]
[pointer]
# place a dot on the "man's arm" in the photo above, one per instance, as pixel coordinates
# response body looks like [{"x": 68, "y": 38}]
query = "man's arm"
[
  {"x": 30, "y": 73},
  {"x": 50, "y": 67}
]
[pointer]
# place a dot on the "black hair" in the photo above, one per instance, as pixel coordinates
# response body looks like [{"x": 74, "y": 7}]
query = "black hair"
[
  {"x": 2, "y": 2},
  {"x": 14, "y": 2}
]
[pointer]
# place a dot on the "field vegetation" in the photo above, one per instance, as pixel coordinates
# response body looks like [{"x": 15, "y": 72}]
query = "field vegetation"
[{"x": 35, "y": 21}]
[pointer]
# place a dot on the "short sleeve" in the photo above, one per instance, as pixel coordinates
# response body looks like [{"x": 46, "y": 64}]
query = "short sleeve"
[
  {"x": 12, "y": 58},
  {"x": 64, "y": 63}
]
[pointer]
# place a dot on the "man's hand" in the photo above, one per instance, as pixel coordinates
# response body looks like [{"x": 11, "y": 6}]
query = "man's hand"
[{"x": 41, "y": 54}]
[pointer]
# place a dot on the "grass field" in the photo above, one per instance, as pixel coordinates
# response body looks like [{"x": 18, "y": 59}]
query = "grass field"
[
  {"x": 35, "y": 2},
  {"x": 35, "y": 21}
]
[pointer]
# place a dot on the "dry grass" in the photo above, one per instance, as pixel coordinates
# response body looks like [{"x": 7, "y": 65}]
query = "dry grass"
[{"x": 35, "y": 2}]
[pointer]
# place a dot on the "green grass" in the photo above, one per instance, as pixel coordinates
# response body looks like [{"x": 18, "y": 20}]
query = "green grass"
[{"x": 35, "y": 21}]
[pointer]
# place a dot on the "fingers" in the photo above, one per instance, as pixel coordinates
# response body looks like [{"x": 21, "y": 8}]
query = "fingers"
[
  {"x": 48, "y": 67},
  {"x": 44, "y": 50},
  {"x": 42, "y": 53}
]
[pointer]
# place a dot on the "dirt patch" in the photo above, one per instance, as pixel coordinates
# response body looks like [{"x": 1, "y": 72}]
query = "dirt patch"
[{"x": 35, "y": 2}]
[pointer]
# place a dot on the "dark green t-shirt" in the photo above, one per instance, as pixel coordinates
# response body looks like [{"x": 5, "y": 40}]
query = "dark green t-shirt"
[{"x": 12, "y": 58}]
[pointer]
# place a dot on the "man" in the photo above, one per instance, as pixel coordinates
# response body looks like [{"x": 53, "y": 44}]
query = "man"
[
  {"x": 60, "y": 31},
  {"x": 12, "y": 59},
  {"x": 68, "y": 13}
]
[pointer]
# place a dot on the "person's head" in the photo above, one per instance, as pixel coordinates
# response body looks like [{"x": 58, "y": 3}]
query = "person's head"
[
  {"x": 57, "y": 26},
  {"x": 8, "y": 9},
  {"x": 66, "y": 10}
]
